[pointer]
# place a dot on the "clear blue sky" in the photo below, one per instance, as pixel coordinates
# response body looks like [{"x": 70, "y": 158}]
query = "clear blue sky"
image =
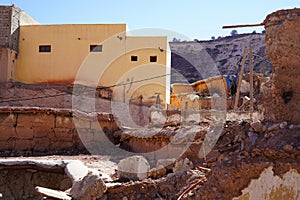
[{"x": 199, "y": 19}]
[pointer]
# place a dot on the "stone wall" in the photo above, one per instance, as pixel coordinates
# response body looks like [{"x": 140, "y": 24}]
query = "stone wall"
[
  {"x": 282, "y": 101},
  {"x": 5, "y": 24},
  {"x": 9, "y": 27},
  {"x": 33, "y": 131},
  {"x": 9, "y": 39},
  {"x": 19, "y": 182}
]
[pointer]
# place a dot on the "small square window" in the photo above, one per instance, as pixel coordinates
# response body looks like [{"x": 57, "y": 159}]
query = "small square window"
[
  {"x": 153, "y": 58},
  {"x": 95, "y": 48},
  {"x": 134, "y": 58},
  {"x": 45, "y": 48}
]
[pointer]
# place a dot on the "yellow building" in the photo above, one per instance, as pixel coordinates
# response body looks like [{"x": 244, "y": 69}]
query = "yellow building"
[{"x": 94, "y": 55}]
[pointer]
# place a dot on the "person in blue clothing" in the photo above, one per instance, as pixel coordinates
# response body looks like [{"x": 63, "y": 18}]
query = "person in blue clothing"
[{"x": 232, "y": 86}]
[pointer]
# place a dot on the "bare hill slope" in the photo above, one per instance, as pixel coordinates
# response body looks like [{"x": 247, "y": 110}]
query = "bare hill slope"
[{"x": 225, "y": 53}]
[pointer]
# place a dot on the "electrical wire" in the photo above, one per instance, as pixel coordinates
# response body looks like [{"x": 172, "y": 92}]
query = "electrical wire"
[{"x": 85, "y": 90}]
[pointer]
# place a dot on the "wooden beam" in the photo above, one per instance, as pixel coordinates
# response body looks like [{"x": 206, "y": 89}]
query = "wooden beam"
[
  {"x": 243, "y": 25},
  {"x": 251, "y": 80},
  {"x": 46, "y": 192},
  {"x": 237, "y": 95}
]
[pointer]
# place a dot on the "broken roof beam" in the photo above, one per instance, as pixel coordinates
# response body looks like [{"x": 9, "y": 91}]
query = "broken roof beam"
[{"x": 243, "y": 25}]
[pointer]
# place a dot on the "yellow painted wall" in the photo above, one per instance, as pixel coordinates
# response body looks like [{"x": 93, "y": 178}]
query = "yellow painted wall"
[
  {"x": 141, "y": 77},
  {"x": 70, "y": 59},
  {"x": 182, "y": 98},
  {"x": 179, "y": 88},
  {"x": 70, "y": 44},
  {"x": 217, "y": 82}
]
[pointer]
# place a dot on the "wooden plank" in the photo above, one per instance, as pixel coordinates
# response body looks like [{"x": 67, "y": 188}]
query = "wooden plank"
[
  {"x": 251, "y": 80},
  {"x": 46, "y": 192},
  {"x": 243, "y": 25},
  {"x": 237, "y": 95}
]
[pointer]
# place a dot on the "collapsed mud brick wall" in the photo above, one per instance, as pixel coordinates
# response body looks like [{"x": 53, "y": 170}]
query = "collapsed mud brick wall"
[
  {"x": 34, "y": 131},
  {"x": 283, "y": 50},
  {"x": 18, "y": 182}
]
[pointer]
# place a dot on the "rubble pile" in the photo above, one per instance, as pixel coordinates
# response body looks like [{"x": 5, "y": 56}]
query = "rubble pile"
[
  {"x": 178, "y": 154},
  {"x": 243, "y": 152}
]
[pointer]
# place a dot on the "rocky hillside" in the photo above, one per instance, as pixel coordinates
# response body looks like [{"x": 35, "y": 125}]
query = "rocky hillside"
[{"x": 224, "y": 53}]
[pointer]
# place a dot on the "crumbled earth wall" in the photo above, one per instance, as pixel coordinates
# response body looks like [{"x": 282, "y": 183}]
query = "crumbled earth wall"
[
  {"x": 17, "y": 94},
  {"x": 283, "y": 50},
  {"x": 34, "y": 131},
  {"x": 272, "y": 186},
  {"x": 165, "y": 188},
  {"x": 242, "y": 155},
  {"x": 19, "y": 182},
  {"x": 231, "y": 179}
]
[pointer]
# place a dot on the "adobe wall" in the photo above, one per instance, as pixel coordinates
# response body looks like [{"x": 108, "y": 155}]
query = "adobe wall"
[
  {"x": 282, "y": 102},
  {"x": 33, "y": 131},
  {"x": 4, "y": 60},
  {"x": 19, "y": 182}
]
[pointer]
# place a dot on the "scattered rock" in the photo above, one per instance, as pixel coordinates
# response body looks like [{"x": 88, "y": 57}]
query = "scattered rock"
[
  {"x": 174, "y": 120},
  {"x": 212, "y": 156},
  {"x": 293, "y": 126},
  {"x": 288, "y": 148},
  {"x": 91, "y": 187},
  {"x": 221, "y": 157},
  {"x": 252, "y": 137},
  {"x": 183, "y": 165},
  {"x": 245, "y": 153},
  {"x": 76, "y": 170},
  {"x": 133, "y": 168},
  {"x": 283, "y": 125},
  {"x": 274, "y": 127},
  {"x": 256, "y": 152},
  {"x": 157, "y": 172},
  {"x": 257, "y": 126},
  {"x": 157, "y": 116},
  {"x": 167, "y": 163}
]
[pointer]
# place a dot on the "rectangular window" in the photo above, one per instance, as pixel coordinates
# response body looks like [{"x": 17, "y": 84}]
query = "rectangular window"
[
  {"x": 153, "y": 58},
  {"x": 95, "y": 48},
  {"x": 134, "y": 58},
  {"x": 45, "y": 48}
]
